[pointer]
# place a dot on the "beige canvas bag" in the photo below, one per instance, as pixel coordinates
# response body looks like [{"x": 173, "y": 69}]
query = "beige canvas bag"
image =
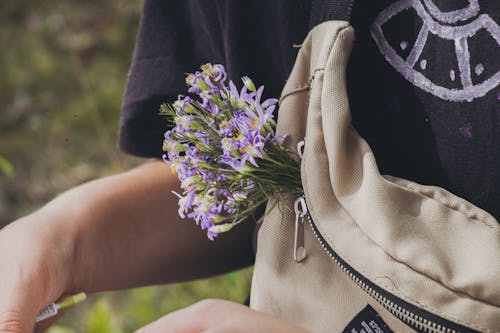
[{"x": 423, "y": 259}]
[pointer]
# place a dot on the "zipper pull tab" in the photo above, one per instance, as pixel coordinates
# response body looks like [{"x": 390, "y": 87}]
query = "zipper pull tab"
[
  {"x": 299, "y": 249},
  {"x": 300, "y": 147}
]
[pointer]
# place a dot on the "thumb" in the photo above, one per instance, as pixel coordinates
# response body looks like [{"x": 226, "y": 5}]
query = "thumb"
[
  {"x": 21, "y": 317},
  {"x": 18, "y": 310},
  {"x": 13, "y": 321},
  {"x": 16, "y": 320}
]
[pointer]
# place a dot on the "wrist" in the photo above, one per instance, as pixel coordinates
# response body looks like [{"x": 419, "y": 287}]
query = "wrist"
[
  {"x": 38, "y": 263},
  {"x": 56, "y": 227}
]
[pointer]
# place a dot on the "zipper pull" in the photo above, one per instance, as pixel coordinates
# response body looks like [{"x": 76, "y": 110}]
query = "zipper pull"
[
  {"x": 300, "y": 147},
  {"x": 299, "y": 249}
]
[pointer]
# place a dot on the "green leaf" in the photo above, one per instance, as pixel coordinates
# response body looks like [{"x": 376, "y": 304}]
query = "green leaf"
[
  {"x": 100, "y": 319},
  {"x": 6, "y": 167},
  {"x": 141, "y": 306},
  {"x": 232, "y": 278}
]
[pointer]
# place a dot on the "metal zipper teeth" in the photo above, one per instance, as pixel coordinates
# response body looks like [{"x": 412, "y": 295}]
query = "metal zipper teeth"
[{"x": 415, "y": 321}]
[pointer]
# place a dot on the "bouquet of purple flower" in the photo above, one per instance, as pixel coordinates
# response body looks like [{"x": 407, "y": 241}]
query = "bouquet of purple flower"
[{"x": 225, "y": 152}]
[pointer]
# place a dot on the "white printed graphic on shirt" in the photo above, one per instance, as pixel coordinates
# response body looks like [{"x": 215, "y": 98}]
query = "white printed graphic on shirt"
[{"x": 438, "y": 23}]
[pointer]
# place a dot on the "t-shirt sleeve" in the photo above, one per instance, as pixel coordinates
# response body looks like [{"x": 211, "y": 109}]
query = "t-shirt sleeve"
[{"x": 175, "y": 37}]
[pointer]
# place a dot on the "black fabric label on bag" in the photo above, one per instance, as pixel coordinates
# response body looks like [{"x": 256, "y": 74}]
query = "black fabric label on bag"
[{"x": 367, "y": 321}]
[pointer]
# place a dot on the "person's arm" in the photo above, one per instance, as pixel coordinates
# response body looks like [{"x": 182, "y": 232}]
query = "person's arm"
[
  {"x": 131, "y": 226},
  {"x": 117, "y": 232}
]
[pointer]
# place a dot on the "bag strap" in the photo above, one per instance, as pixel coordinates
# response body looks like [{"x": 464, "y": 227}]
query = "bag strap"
[{"x": 327, "y": 10}]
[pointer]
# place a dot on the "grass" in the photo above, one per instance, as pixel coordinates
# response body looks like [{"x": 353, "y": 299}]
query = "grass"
[{"x": 126, "y": 311}]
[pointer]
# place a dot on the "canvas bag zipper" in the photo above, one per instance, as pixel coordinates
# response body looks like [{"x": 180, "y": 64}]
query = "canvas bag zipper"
[
  {"x": 417, "y": 318},
  {"x": 300, "y": 210}
]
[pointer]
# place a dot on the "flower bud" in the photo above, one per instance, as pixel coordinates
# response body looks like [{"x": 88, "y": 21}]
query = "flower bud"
[
  {"x": 196, "y": 126},
  {"x": 200, "y": 187},
  {"x": 183, "y": 121},
  {"x": 207, "y": 70},
  {"x": 249, "y": 83},
  {"x": 190, "y": 79},
  {"x": 220, "y": 228},
  {"x": 217, "y": 218},
  {"x": 227, "y": 144},
  {"x": 170, "y": 146},
  {"x": 202, "y": 85},
  {"x": 193, "y": 180},
  {"x": 189, "y": 109},
  {"x": 239, "y": 196},
  {"x": 166, "y": 145}
]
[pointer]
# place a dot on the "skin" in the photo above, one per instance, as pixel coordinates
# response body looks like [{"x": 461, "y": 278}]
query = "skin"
[
  {"x": 119, "y": 232},
  {"x": 219, "y": 316}
]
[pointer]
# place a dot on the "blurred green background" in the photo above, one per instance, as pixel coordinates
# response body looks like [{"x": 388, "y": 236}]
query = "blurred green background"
[{"x": 63, "y": 67}]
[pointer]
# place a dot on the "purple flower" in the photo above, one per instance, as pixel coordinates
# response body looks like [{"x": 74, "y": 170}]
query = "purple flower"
[
  {"x": 209, "y": 106},
  {"x": 220, "y": 135},
  {"x": 185, "y": 202},
  {"x": 213, "y": 88},
  {"x": 270, "y": 102},
  {"x": 183, "y": 123},
  {"x": 228, "y": 146},
  {"x": 225, "y": 129},
  {"x": 211, "y": 235},
  {"x": 205, "y": 224},
  {"x": 252, "y": 146},
  {"x": 233, "y": 92},
  {"x": 241, "y": 122},
  {"x": 182, "y": 102},
  {"x": 233, "y": 162},
  {"x": 220, "y": 73},
  {"x": 194, "y": 90},
  {"x": 192, "y": 79}
]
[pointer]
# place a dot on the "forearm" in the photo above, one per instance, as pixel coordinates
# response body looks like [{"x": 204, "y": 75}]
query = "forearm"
[{"x": 126, "y": 232}]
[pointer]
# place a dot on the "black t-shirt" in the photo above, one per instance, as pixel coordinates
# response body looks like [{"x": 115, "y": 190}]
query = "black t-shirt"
[
  {"x": 423, "y": 78},
  {"x": 252, "y": 38}
]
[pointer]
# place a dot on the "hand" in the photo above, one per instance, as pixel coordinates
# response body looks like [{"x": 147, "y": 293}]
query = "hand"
[
  {"x": 30, "y": 279},
  {"x": 65, "y": 247},
  {"x": 218, "y": 316}
]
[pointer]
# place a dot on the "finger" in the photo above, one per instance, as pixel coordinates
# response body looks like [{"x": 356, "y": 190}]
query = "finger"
[
  {"x": 179, "y": 321},
  {"x": 26, "y": 282},
  {"x": 20, "y": 289},
  {"x": 17, "y": 313},
  {"x": 19, "y": 306},
  {"x": 13, "y": 321},
  {"x": 198, "y": 317}
]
